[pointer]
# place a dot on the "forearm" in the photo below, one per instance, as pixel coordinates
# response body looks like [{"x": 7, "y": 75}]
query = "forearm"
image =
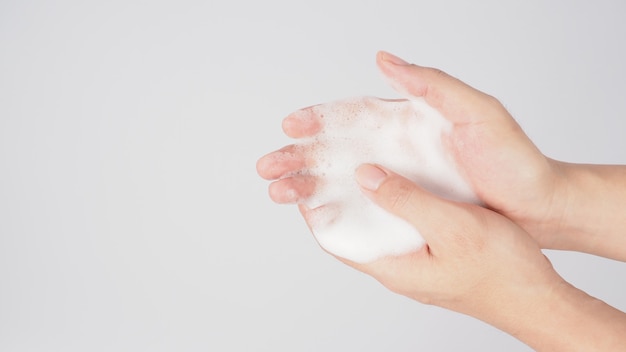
[{"x": 593, "y": 216}]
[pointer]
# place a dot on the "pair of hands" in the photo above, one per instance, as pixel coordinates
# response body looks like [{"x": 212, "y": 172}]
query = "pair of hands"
[{"x": 484, "y": 261}]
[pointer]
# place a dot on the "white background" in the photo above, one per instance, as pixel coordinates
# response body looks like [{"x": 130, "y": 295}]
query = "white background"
[{"x": 131, "y": 215}]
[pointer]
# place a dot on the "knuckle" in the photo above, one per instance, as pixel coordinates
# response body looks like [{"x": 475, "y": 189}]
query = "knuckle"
[
  {"x": 400, "y": 197},
  {"x": 438, "y": 72},
  {"x": 496, "y": 103}
]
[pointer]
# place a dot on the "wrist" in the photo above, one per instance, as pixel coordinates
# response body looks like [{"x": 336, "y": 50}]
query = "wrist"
[
  {"x": 560, "y": 317},
  {"x": 588, "y": 202},
  {"x": 546, "y": 220}
]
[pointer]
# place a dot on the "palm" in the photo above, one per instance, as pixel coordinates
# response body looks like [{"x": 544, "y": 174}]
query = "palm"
[{"x": 505, "y": 169}]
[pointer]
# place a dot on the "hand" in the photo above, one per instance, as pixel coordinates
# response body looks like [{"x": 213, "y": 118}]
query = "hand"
[
  {"x": 506, "y": 170},
  {"x": 561, "y": 205},
  {"x": 479, "y": 263},
  {"x": 473, "y": 255}
]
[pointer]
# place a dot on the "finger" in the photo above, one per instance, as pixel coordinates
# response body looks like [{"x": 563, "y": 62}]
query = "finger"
[
  {"x": 292, "y": 189},
  {"x": 302, "y": 123},
  {"x": 431, "y": 215},
  {"x": 456, "y": 100},
  {"x": 285, "y": 161}
]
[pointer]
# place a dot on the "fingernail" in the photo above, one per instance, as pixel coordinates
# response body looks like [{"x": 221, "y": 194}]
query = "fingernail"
[
  {"x": 393, "y": 59},
  {"x": 370, "y": 177}
]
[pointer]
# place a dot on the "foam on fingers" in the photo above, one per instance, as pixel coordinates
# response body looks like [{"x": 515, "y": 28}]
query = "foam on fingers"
[
  {"x": 292, "y": 189},
  {"x": 402, "y": 135},
  {"x": 302, "y": 123},
  {"x": 282, "y": 163}
]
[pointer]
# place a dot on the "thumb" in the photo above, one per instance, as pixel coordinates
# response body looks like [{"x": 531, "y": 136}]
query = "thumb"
[
  {"x": 430, "y": 214},
  {"x": 441, "y": 91}
]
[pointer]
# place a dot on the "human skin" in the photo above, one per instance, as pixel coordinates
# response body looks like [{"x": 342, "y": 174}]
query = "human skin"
[
  {"x": 483, "y": 265},
  {"x": 561, "y": 205},
  {"x": 486, "y": 261}
]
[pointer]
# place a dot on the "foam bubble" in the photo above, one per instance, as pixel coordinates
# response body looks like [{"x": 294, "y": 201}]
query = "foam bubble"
[{"x": 402, "y": 135}]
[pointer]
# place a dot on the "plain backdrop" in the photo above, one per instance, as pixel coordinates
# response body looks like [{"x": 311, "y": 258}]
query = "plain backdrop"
[{"x": 131, "y": 215}]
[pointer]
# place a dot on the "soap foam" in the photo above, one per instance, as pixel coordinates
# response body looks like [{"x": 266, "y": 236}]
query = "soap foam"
[{"x": 404, "y": 136}]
